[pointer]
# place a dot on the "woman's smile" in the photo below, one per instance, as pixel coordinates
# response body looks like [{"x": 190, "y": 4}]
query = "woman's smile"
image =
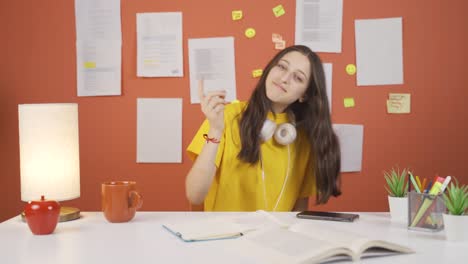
[{"x": 281, "y": 88}]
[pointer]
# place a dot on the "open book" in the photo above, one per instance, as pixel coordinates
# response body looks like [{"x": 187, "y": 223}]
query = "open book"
[
  {"x": 270, "y": 240},
  {"x": 313, "y": 242}
]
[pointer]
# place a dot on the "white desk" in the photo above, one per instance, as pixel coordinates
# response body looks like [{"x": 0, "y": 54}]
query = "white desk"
[{"x": 92, "y": 239}]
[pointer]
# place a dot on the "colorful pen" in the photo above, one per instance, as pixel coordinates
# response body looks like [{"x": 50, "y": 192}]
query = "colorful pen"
[
  {"x": 445, "y": 183},
  {"x": 415, "y": 185},
  {"x": 423, "y": 184},
  {"x": 419, "y": 183},
  {"x": 436, "y": 186},
  {"x": 428, "y": 187}
]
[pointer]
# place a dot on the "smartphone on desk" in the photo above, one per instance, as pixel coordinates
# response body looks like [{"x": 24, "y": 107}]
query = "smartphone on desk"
[{"x": 330, "y": 216}]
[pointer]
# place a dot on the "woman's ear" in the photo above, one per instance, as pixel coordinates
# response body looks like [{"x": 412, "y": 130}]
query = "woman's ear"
[{"x": 302, "y": 98}]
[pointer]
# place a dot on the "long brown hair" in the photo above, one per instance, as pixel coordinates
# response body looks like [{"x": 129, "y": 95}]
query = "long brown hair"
[{"x": 311, "y": 116}]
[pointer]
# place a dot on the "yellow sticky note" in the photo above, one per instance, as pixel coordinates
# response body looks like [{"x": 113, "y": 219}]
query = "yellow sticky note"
[
  {"x": 257, "y": 73},
  {"x": 236, "y": 14},
  {"x": 351, "y": 69},
  {"x": 349, "y": 102},
  {"x": 399, "y": 103},
  {"x": 90, "y": 64},
  {"x": 279, "y": 45},
  {"x": 250, "y": 33},
  {"x": 278, "y": 10}
]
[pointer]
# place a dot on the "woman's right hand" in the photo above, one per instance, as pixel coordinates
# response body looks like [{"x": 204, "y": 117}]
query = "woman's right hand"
[{"x": 212, "y": 105}]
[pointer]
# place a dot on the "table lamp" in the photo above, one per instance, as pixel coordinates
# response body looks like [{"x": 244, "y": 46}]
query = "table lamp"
[{"x": 49, "y": 154}]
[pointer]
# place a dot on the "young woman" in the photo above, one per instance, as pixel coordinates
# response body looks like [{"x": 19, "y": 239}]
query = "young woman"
[{"x": 239, "y": 166}]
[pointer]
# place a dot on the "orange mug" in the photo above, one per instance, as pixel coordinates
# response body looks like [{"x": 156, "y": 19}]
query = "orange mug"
[{"x": 120, "y": 200}]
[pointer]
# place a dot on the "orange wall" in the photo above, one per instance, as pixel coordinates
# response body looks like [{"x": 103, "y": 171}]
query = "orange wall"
[{"x": 37, "y": 49}]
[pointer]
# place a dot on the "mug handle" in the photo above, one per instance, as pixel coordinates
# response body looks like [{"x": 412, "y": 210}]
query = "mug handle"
[{"x": 135, "y": 199}]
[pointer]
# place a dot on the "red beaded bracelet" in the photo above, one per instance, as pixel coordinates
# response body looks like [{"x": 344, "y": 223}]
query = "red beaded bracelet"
[{"x": 212, "y": 140}]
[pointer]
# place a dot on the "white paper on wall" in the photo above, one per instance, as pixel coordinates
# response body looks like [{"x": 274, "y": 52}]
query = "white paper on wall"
[
  {"x": 159, "y": 45},
  {"x": 319, "y": 24},
  {"x": 159, "y": 130},
  {"x": 98, "y": 68},
  {"x": 351, "y": 141},
  {"x": 328, "y": 70},
  {"x": 379, "y": 51},
  {"x": 98, "y": 47}
]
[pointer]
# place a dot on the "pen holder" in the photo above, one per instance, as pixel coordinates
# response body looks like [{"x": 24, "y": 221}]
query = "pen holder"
[{"x": 425, "y": 211}]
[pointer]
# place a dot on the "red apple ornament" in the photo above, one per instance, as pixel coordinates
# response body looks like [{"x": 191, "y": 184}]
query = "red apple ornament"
[{"x": 42, "y": 216}]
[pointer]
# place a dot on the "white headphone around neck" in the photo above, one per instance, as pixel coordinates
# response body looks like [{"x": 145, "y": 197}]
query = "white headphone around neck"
[
  {"x": 284, "y": 134},
  {"x": 265, "y": 200}
]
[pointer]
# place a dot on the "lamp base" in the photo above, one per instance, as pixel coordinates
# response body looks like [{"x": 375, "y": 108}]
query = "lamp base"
[
  {"x": 69, "y": 213},
  {"x": 66, "y": 214}
]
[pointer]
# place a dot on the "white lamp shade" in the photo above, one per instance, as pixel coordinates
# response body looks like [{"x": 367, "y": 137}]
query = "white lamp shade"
[{"x": 49, "y": 151}]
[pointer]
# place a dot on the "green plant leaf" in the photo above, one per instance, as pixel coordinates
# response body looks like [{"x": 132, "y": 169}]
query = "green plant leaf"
[
  {"x": 456, "y": 198},
  {"x": 397, "y": 186}
]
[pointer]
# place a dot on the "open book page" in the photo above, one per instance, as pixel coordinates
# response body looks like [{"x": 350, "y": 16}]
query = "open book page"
[
  {"x": 280, "y": 245},
  {"x": 221, "y": 227},
  {"x": 312, "y": 242},
  {"x": 376, "y": 248},
  {"x": 359, "y": 245}
]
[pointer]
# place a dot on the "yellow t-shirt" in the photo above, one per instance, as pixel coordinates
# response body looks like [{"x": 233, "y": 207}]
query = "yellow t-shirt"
[{"x": 239, "y": 186}]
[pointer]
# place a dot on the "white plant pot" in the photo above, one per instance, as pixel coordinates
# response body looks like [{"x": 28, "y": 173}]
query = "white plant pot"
[
  {"x": 398, "y": 208},
  {"x": 456, "y": 227}
]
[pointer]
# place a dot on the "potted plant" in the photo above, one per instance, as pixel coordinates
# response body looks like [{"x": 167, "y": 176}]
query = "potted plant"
[
  {"x": 397, "y": 188},
  {"x": 456, "y": 221}
]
